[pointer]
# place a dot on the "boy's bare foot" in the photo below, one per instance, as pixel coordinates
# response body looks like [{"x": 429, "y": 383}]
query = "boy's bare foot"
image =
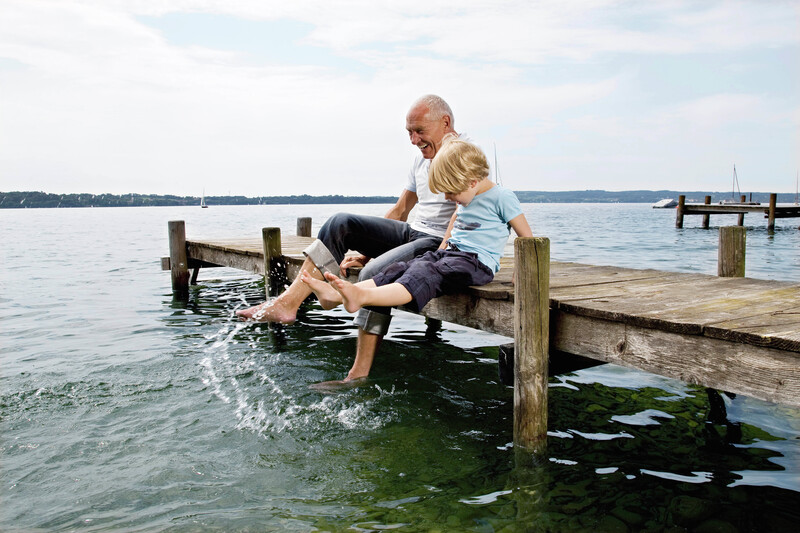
[
  {"x": 328, "y": 297},
  {"x": 273, "y": 310},
  {"x": 352, "y": 296}
]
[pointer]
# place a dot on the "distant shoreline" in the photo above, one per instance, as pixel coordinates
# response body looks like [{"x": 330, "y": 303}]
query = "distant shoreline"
[{"x": 38, "y": 200}]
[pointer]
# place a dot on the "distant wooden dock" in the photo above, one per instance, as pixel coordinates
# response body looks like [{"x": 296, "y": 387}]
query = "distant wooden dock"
[
  {"x": 770, "y": 211},
  {"x": 735, "y": 334}
]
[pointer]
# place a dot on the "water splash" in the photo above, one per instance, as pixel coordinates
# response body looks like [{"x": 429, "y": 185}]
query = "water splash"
[{"x": 267, "y": 398}]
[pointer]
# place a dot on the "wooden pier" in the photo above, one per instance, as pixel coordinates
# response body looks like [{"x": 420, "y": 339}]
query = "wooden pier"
[
  {"x": 770, "y": 211},
  {"x": 735, "y": 334}
]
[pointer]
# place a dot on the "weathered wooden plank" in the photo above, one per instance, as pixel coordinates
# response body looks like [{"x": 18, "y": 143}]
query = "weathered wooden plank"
[
  {"x": 777, "y": 328},
  {"x": 780, "y": 211},
  {"x": 724, "y": 209},
  {"x": 578, "y": 275},
  {"x": 222, "y": 256},
  {"x": 765, "y": 373},
  {"x": 494, "y": 316},
  {"x": 679, "y": 304}
]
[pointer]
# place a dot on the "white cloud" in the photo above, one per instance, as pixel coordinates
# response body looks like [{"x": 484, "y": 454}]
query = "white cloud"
[{"x": 95, "y": 100}]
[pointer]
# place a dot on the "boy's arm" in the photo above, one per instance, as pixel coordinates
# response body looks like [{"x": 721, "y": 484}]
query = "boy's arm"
[
  {"x": 447, "y": 233},
  {"x": 520, "y": 226}
]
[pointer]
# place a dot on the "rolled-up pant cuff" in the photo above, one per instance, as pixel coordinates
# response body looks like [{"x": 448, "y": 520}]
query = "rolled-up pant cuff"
[
  {"x": 373, "y": 322},
  {"x": 322, "y": 257}
]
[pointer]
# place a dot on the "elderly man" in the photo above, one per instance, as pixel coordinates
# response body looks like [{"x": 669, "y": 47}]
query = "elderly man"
[{"x": 381, "y": 241}]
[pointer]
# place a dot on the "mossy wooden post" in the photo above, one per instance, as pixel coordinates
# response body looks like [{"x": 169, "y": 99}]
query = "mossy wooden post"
[
  {"x": 532, "y": 340},
  {"x": 179, "y": 264},
  {"x": 679, "y": 211},
  {"x": 741, "y": 215},
  {"x": 732, "y": 247},
  {"x": 773, "y": 202},
  {"x": 304, "y": 227},
  {"x": 707, "y": 218},
  {"x": 272, "y": 252}
]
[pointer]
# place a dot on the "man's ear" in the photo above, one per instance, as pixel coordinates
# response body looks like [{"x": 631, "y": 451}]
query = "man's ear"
[{"x": 447, "y": 121}]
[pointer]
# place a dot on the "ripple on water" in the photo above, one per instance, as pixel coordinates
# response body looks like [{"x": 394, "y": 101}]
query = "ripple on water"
[{"x": 264, "y": 401}]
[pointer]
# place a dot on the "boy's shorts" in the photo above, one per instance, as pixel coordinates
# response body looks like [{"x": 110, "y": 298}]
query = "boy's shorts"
[{"x": 436, "y": 273}]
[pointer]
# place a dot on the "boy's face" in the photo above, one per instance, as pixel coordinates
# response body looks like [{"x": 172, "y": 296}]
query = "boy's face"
[{"x": 463, "y": 197}]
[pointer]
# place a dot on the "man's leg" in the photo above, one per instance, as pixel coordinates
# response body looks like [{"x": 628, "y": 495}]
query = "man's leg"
[
  {"x": 337, "y": 235},
  {"x": 373, "y": 323},
  {"x": 283, "y": 309},
  {"x": 366, "y": 348},
  {"x": 369, "y": 235}
]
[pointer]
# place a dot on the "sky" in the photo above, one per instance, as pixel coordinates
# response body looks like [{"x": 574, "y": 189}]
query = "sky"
[{"x": 268, "y": 98}]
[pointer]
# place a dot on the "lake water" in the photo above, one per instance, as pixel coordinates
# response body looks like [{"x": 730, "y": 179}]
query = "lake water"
[{"x": 122, "y": 408}]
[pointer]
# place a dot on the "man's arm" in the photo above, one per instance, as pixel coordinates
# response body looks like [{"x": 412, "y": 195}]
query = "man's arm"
[
  {"x": 399, "y": 211},
  {"x": 403, "y": 207}
]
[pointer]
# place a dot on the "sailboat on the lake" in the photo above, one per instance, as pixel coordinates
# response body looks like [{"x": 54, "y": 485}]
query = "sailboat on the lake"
[
  {"x": 203, "y": 200},
  {"x": 734, "y": 188}
]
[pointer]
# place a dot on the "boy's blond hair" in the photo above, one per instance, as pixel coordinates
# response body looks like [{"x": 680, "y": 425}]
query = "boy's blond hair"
[{"x": 455, "y": 165}]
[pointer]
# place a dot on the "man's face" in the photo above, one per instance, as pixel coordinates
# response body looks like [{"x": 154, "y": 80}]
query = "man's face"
[{"x": 426, "y": 134}]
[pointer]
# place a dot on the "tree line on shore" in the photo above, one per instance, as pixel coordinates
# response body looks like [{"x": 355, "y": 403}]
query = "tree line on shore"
[{"x": 37, "y": 199}]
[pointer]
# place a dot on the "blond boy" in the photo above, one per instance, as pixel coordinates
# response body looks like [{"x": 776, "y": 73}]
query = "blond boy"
[{"x": 470, "y": 251}]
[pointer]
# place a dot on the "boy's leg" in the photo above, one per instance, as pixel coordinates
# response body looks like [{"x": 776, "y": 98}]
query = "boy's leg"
[
  {"x": 354, "y": 297},
  {"x": 369, "y": 235}
]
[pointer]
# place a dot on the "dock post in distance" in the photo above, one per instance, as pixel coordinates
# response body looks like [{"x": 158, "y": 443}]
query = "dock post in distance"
[
  {"x": 304, "y": 226},
  {"x": 773, "y": 202},
  {"x": 679, "y": 211},
  {"x": 707, "y": 217},
  {"x": 179, "y": 263}
]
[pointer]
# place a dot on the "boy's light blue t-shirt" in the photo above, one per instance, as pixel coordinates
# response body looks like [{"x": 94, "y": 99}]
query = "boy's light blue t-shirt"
[{"x": 482, "y": 226}]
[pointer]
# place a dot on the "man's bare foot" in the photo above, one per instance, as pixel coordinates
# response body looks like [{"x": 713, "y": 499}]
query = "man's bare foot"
[
  {"x": 273, "y": 310},
  {"x": 339, "y": 384},
  {"x": 353, "y": 297},
  {"x": 328, "y": 296}
]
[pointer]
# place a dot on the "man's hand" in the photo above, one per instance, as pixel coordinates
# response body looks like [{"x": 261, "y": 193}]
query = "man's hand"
[{"x": 352, "y": 261}]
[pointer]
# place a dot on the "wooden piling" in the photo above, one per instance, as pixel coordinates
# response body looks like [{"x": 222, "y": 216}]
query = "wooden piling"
[
  {"x": 731, "y": 255},
  {"x": 271, "y": 238},
  {"x": 707, "y": 218},
  {"x": 304, "y": 227},
  {"x": 179, "y": 264},
  {"x": 679, "y": 211},
  {"x": 741, "y": 215},
  {"x": 773, "y": 202},
  {"x": 532, "y": 341}
]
